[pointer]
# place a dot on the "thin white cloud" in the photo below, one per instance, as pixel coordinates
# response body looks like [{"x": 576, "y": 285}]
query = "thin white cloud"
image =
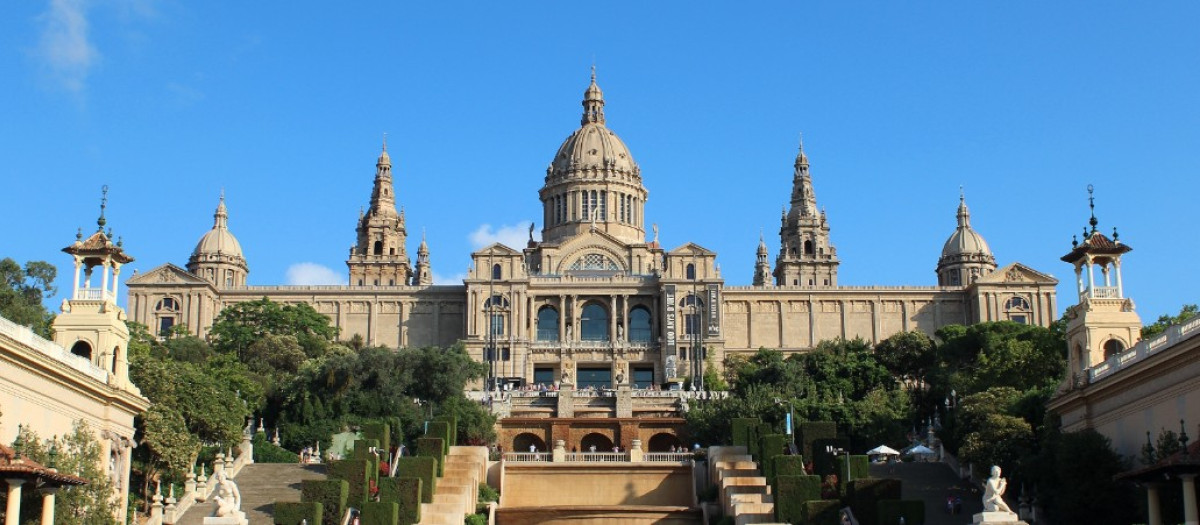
[
  {"x": 453, "y": 279},
  {"x": 307, "y": 273},
  {"x": 514, "y": 236},
  {"x": 64, "y": 46}
]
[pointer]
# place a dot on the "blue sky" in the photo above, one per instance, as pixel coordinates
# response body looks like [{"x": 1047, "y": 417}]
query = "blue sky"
[{"x": 283, "y": 104}]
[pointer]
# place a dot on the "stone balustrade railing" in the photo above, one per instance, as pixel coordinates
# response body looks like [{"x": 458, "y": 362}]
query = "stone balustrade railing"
[
  {"x": 633, "y": 455},
  {"x": 25, "y": 336},
  {"x": 1145, "y": 348},
  {"x": 197, "y": 489}
]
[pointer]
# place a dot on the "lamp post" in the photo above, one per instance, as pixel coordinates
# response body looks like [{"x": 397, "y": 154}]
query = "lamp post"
[{"x": 791, "y": 418}]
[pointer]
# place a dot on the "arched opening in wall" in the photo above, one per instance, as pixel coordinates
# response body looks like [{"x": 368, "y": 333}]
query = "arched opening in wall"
[
  {"x": 378, "y": 248},
  {"x": 595, "y": 442},
  {"x": 1017, "y": 309},
  {"x": 594, "y": 323},
  {"x": 391, "y": 251},
  {"x": 547, "y": 323},
  {"x": 693, "y": 312},
  {"x": 639, "y": 324},
  {"x": 524, "y": 441},
  {"x": 664, "y": 442},
  {"x": 116, "y": 356},
  {"x": 691, "y": 271},
  {"x": 496, "y": 273},
  {"x": 496, "y": 308},
  {"x": 1113, "y": 347},
  {"x": 82, "y": 349},
  {"x": 1080, "y": 358},
  {"x": 166, "y": 311},
  {"x": 808, "y": 247}
]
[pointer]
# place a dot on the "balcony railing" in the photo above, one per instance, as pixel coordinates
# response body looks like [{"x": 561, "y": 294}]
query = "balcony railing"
[
  {"x": 26, "y": 337},
  {"x": 1105, "y": 292},
  {"x": 1145, "y": 348},
  {"x": 94, "y": 294}
]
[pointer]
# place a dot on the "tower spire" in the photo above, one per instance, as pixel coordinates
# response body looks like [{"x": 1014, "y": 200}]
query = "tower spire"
[
  {"x": 1092, "y": 206},
  {"x": 593, "y": 103},
  {"x": 964, "y": 215},
  {"x": 100, "y": 222}
]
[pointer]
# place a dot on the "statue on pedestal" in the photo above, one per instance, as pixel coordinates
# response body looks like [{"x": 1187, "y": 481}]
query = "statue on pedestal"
[
  {"x": 229, "y": 502},
  {"x": 993, "y": 493}
]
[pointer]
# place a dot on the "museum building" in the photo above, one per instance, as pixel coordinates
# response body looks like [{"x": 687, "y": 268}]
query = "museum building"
[{"x": 598, "y": 297}]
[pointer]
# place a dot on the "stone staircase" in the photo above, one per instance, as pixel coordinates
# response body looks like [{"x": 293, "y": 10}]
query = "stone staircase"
[
  {"x": 261, "y": 484},
  {"x": 458, "y": 488},
  {"x": 742, "y": 489}
]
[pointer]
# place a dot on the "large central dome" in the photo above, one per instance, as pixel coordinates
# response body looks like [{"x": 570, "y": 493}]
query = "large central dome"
[{"x": 593, "y": 181}]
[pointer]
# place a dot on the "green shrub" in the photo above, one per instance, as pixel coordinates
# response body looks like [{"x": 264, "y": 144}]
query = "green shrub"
[
  {"x": 451, "y": 432},
  {"x": 487, "y": 493},
  {"x": 476, "y": 519},
  {"x": 357, "y": 473},
  {"x": 330, "y": 493},
  {"x": 433, "y": 448},
  {"x": 742, "y": 428},
  {"x": 823, "y": 512},
  {"x": 267, "y": 452},
  {"x": 859, "y": 468},
  {"x": 825, "y": 463},
  {"x": 440, "y": 429},
  {"x": 423, "y": 468},
  {"x": 406, "y": 493},
  {"x": 294, "y": 512},
  {"x": 789, "y": 466},
  {"x": 756, "y": 435},
  {"x": 362, "y": 448},
  {"x": 793, "y": 492},
  {"x": 864, "y": 495},
  {"x": 810, "y": 432},
  {"x": 771, "y": 446},
  {"x": 381, "y": 432},
  {"x": 380, "y": 513},
  {"x": 913, "y": 511}
]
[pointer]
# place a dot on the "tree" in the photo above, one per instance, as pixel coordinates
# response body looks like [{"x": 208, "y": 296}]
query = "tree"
[
  {"x": 242, "y": 324},
  {"x": 1186, "y": 312},
  {"x": 908, "y": 355},
  {"x": 1074, "y": 475},
  {"x": 22, "y": 292},
  {"x": 78, "y": 454}
]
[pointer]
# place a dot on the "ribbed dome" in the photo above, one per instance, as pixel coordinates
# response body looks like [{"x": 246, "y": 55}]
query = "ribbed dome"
[
  {"x": 965, "y": 240},
  {"x": 219, "y": 240},
  {"x": 593, "y": 146}
]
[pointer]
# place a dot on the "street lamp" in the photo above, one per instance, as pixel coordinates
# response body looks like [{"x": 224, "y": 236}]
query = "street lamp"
[{"x": 791, "y": 419}]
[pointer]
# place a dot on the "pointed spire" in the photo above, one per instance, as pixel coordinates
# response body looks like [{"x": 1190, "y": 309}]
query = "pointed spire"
[
  {"x": 801, "y": 158},
  {"x": 423, "y": 249},
  {"x": 964, "y": 215},
  {"x": 593, "y": 103},
  {"x": 762, "y": 243},
  {"x": 103, "y": 204},
  {"x": 1092, "y": 205},
  {"x": 384, "y": 158},
  {"x": 221, "y": 216}
]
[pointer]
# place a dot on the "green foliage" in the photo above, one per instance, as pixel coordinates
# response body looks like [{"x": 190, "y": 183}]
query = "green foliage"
[
  {"x": 381, "y": 432},
  {"x": 811, "y": 431},
  {"x": 1074, "y": 475},
  {"x": 476, "y": 519},
  {"x": 713, "y": 380},
  {"x": 380, "y": 513},
  {"x": 1159, "y": 326},
  {"x": 451, "y": 435},
  {"x": 863, "y": 496},
  {"x": 407, "y": 493},
  {"x": 741, "y": 429},
  {"x": 487, "y": 493},
  {"x": 825, "y": 463},
  {"x": 907, "y": 355},
  {"x": 78, "y": 454},
  {"x": 295, "y": 512},
  {"x": 332, "y": 494},
  {"x": 357, "y": 474},
  {"x": 474, "y": 424},
  {"x": 423, "y": 468},
  {"x": 771, "y": 446},
  {"x": 434, "y": 448},
  {"x": 789, "y": 466},
  {"x": 988, "y": 431},
  {"x": 240, "y": 325},
  {"x": 22, "y": 292},
  {"x": 756, "y": 448},
  {"x": 822, "y": 512},
  {"x": 267, "y": 452},
  {"x": 442, "y": 430},
  {"x": 913, "y": 511},
  {"x": 999, "y": 354},
  {"x": 793, "y": 492}
]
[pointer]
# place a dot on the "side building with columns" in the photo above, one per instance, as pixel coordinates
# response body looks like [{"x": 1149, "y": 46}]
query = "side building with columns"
[
  {"x": 597, "y": 295},
  {"x": 82, "y": 375}
]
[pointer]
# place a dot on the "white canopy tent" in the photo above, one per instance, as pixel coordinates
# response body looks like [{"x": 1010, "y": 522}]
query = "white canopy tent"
[{"x": 883, "y": 450}]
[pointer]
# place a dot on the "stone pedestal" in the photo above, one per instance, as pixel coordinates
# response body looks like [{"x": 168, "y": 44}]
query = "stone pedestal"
[
  {"x": 998, "y": 518},
  {"x": 239, "y": 519}
]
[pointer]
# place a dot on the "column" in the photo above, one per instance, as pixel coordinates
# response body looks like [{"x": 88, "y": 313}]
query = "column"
[
  {"x": 612, "y": 318},
  {"x": 1152, "y": 508},
  {"x": 75, "y": 287},
  {"x": 104, "y": 280},
  {"x": 48, "y": 504},
  {"x": 562, "y": 317},
  {"x": 12, "y": 513},
  {"x": 1120, "y": 289},
  {"x": 1079, "y": 280},
  {"x": 1190, "y": 516},
  {"x": 116, "y": 282},
  {"x": 1091, "y": 278},
  {"x": 1107, "y": 277}
]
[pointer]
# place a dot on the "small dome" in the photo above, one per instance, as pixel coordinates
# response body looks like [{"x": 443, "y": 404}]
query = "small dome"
[
  {"x": 593, "y": 146},
  {"x": 218, "y": 240},
  {"x": 965, "y": 240}
]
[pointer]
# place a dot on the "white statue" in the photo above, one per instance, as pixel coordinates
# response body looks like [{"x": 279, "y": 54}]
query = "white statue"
[
  {"x": 228, "y": 497},
  {"x": 993, "y": 493}
]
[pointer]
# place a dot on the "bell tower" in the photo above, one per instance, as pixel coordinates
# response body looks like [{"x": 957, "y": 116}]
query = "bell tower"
[
  {"x": 1104, "y": 322},
  {"x": 91, "y": 325},
  {"x": 806, "y": 257},
  {"x": 379, "y": 257}
]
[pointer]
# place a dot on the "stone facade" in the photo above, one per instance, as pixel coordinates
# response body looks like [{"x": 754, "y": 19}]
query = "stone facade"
[{"x": 598, "y": 296}]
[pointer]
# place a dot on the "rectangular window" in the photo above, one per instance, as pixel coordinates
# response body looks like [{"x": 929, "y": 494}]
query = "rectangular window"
[
  {"x": 164, "y": 325},
  {"x": 543, "y": 376},
  {"x": 603, "y": 206},
  {"x": 691, "y": 324},
  {"x": 594, "y": 377},
  {"x": 643, "y": 377},
  {"x": 497, "y": 324}
]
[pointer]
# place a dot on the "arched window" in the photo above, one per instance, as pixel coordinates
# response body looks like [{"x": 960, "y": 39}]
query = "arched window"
[
  {"x": 664, "y": 442},
  {"x": 496, "y": 271},
  {"x": 524, "y": 441},
  {"x": 594, "y": 262},
  {"x": 691, "y": 271},
  {"x": 116, "y": 356},
  {"x": 167, "y": 313},
  {"x": 378, "y": 248},
  {"x": 82, "y": 349},
  {"x": 1113, "y": 347},
  {"x": 547, "y": 324},
  {"x": 595, "y": 323},
  {"x": 595, "y": 442},
  {"x": 639, "y": 324},
  {"x": 808, "y": 247},
  {"x": 1016, "y": 303}
]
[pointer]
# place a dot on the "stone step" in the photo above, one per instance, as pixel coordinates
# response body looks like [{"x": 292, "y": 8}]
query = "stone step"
[
  {"x": 261, "y": 485},
  {"x": 726, "y": 473},
  {"x": 753, "y": 497}
]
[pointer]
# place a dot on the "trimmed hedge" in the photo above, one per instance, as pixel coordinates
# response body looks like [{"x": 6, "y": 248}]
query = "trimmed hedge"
[
  {"x": 452, "y": 432},
  {"x": 864, "y": 495},
  {"x": 380, "y": 513},
  {"x": 860, "y": 468},
  {"x": 356, "y": 472},
  {"x": 362, "y": 450},
  {"x": 440, "y": 429},
  {"x": 330, "y": 493},
  {"x": 406, "y": 493},
  {"x": 793, "y": 491},
  {"x": 771, "y": 446},
  {"x": 267, "y": 452},
  {"x": 789, "y": 466},
  {"x": 433, "y": 448},
  {"x": 913, "y": 511},
  {"x": 381, "y": 432},
  {"x": 742, "y": 429},
  {"x": 421, "y": 467},
  {"x": 811, "y": 431},
  {"x": 294, "y": 512},
  {"x": 823, "y": 512},
  {"x": 825, "y": 463},
  {"x": 760, "y": 430}
]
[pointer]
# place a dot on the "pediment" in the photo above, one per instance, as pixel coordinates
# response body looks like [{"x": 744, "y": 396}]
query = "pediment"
[
  {"x": 167, "y": 274},
  {"x": 1016, "y": 273},
  {"x": 692, "y": 248},
  {"x": 496, "y": 249}
]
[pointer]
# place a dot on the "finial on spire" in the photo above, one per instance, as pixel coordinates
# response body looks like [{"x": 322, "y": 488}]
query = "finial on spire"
[
  {"x": 1092, "y": 205},
  {"x": 79, "y": 235},
  {"x": 593, "y": 70},
  {"x": 103, "y": 204},
  {"x": 385, "y": 142},
  {"x": 962, "y": 195}
]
